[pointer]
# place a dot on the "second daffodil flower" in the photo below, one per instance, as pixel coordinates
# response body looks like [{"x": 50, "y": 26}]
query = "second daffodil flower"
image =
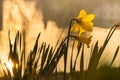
[
  {"x": 85, "y": 38},
  {"x": 82, "y": 24}
]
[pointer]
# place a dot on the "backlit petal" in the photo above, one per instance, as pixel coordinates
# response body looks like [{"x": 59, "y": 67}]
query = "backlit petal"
[
  {"x": 82, "y": 14},
  {"x": 85, "y": 40},
  {"x": 89, "y": 17},
  {"x": 75, "y": 28},
  {"x": 81, "y": 31},
  {"x": 87, "y": 26}
]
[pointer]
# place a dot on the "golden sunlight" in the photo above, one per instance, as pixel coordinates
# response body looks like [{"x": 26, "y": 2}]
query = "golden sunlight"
[{"x": 9, "y": 65}]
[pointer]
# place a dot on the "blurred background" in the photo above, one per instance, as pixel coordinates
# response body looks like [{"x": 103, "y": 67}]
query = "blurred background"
[
  {"x": 106, "y": 11},
  {"x": 52, "y": 17},
  {"x": 60, "y": 11}
]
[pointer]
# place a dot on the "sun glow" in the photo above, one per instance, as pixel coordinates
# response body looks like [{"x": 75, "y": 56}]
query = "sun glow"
[{"x": 9, "y": 65}]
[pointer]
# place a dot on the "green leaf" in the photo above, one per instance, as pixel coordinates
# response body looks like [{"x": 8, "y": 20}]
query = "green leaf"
[
  {"x": 82, "y": 64},
  {"x": 115, "y": 55}
]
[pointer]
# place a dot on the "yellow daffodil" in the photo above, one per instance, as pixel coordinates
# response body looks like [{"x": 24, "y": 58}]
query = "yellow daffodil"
[
  {"x": 83, "y": 23},
  {"x": 85, "y": 39}
]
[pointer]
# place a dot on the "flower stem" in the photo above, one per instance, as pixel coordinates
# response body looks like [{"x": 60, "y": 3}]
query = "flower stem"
[{"x": 65, "y": 55}]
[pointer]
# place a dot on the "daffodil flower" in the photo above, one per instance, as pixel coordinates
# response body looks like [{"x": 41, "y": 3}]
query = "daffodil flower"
[
  {"x": 85, "y": 38},
  {"x": 83, "y": 23}
]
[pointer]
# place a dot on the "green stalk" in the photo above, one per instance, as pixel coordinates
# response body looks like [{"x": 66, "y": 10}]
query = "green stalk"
[{"x": 65, "y": 55}]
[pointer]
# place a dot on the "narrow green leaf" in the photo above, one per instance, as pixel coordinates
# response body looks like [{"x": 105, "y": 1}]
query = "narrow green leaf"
[
  {"x": 82, "y": 64},
  {"x": 39, "y": 54},
  {"x": 94, "y": 53},
  {"x": 115, "y": 55},
  {"x": 42, "y": 58},
  {"x": 10, "y": 46},
  {"x": 74, "y": 66},
  {"x": 71, "y": 59},
  {"x": 50, "y": 55},
  {"x": 15, "y": 57}
]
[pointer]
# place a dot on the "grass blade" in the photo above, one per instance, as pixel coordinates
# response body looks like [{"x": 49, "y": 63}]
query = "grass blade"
[
  {"x": 115, "y": 55},
  {"x": 82, "y": 64}
]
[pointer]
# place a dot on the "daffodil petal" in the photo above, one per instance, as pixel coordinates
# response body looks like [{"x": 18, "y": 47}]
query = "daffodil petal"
[
  {"x": 81, "y": 31},
  {"x": 90, "y": 24},
  {"x": 87, "y": 26},
  {"x": 82, "y": 14},
  {"x": 75, "y": 27},
  {"x": 85, "y": 40},
  {"x": 89, "y": 17}
]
